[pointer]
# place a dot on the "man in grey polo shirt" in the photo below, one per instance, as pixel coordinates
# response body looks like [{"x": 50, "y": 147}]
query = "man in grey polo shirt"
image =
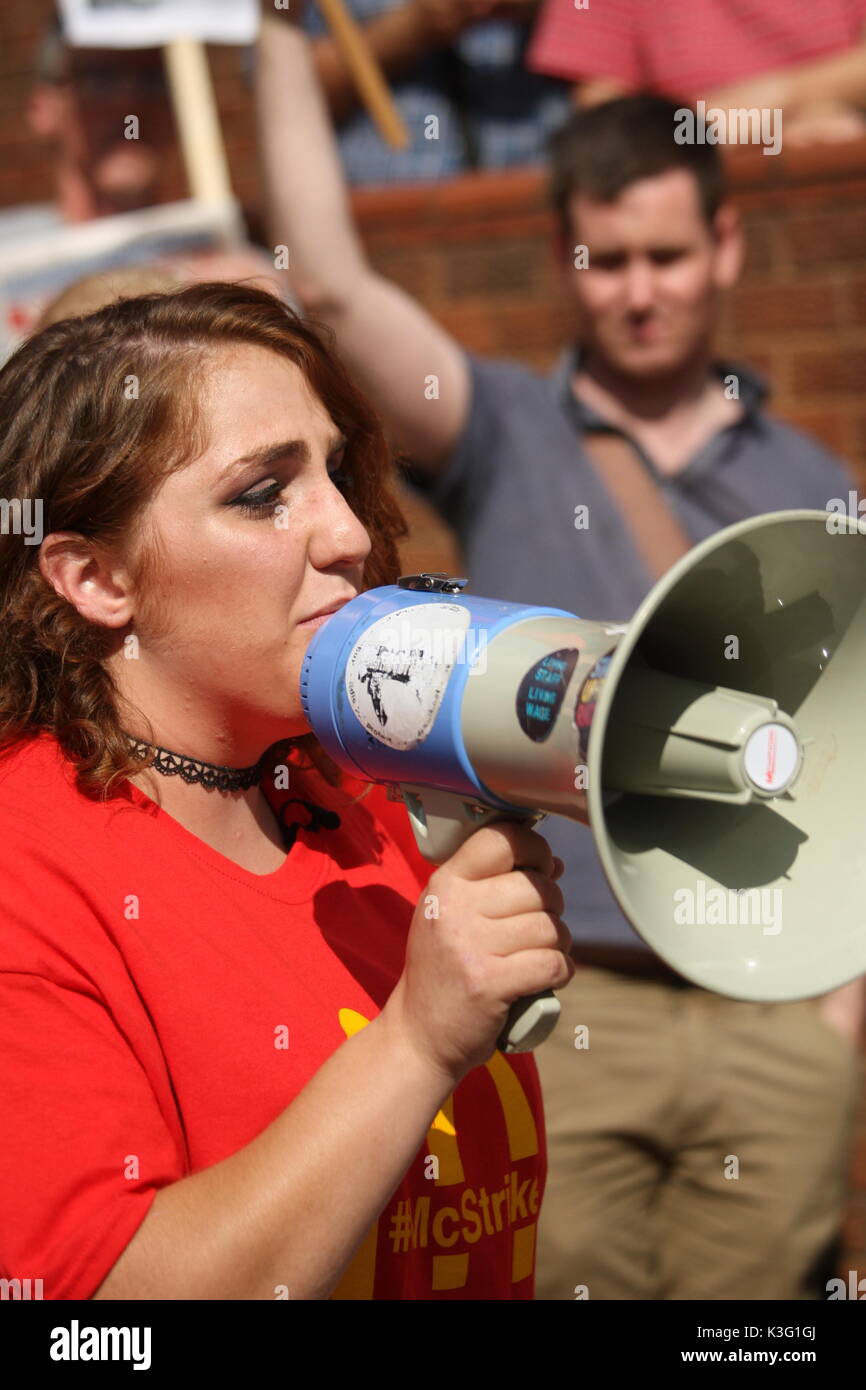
[
  {"x": 510, "y": 488},
  {"x": 698, "y": 1147}
]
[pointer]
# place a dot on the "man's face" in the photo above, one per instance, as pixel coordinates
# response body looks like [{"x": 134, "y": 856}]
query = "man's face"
[
  {"x": 648, "y": 295},
  {"x": 89, "y": 114}
]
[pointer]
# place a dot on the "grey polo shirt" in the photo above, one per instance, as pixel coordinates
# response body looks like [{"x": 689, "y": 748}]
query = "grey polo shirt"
[{"x": 510, "y": 489}]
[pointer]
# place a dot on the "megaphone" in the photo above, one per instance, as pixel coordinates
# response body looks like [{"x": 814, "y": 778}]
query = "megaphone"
[{"x": 716, "y": 744}]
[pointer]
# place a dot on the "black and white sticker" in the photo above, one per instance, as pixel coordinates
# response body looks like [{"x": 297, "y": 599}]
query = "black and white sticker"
[{"x": 398, "y": 670}]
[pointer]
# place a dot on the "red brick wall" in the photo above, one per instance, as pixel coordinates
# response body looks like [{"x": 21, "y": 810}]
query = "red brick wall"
[
  {"x": 478, "y": 253},
  {"x": 24, "y": 177}
]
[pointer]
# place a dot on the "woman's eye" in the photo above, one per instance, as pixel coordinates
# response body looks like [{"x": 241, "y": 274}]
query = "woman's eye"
[{"x": 260, "y": 503}]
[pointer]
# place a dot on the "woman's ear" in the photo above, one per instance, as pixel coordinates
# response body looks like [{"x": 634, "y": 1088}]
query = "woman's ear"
[{"x": 81, "y": 574}]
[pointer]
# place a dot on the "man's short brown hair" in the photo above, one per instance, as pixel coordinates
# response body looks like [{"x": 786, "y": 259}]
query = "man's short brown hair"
[{"x": 599, "y": 151}]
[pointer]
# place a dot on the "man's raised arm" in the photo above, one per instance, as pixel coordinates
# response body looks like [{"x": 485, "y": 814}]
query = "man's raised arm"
[{"x": 390, "y": 343}]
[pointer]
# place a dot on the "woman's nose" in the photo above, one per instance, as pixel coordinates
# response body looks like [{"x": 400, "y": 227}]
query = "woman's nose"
[{"x": 340, "y": 535}]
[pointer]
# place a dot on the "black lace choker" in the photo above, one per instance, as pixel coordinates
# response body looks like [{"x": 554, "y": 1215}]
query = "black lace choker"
[{"x": 211, "y": 775}]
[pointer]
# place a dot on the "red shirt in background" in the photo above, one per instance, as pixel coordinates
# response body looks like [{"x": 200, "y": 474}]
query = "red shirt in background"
[
  {"x": 687, "y": 47},
  {"x": 160, "y": 1006}
]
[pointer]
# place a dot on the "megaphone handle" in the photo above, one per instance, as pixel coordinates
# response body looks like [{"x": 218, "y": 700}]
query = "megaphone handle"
[
  {"x": 441, "y": 822},
  {"x": 529, "y": 1022}
]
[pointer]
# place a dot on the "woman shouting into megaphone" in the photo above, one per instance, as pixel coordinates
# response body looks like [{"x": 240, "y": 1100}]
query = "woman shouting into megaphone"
[{"x": 259, "y": 1032}]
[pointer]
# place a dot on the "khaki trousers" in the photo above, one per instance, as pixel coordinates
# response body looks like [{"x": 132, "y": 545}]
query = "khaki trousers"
[{"x": 698, "y": 1146}]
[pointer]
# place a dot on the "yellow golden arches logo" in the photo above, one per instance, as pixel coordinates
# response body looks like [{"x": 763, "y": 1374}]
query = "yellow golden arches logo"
[{"x": 452, "y": 1271}]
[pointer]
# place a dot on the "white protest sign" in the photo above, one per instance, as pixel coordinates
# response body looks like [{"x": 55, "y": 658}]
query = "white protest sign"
[
  {"x": 147, "y": 23},
  {"x": 37, "y": 266}
]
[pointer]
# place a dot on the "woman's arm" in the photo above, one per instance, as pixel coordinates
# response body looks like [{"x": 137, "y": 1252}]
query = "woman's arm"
[{"x": 292, "y": 1207}]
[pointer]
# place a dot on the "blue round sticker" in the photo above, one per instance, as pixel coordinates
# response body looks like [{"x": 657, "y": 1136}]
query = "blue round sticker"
[{"x": 542, "y": 690}]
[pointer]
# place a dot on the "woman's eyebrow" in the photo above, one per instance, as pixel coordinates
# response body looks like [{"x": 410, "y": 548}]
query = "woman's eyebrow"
[{"x": 296, "y": 449}]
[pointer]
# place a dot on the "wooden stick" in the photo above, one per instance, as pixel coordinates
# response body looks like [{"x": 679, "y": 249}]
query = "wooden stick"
[
  {"x": 197, "y": 121},
  {"x": 349, "y": 37}
]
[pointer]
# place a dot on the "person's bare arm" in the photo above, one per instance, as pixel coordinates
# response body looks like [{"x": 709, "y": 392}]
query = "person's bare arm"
[
  {"x": 390, "y": 343},
  {"x": 292, "y": 1206},
  {"x": 839, "y": 79}
]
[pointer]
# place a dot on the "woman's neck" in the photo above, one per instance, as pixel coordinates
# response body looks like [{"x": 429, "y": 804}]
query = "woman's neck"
[{"x": 239, "y": 824}]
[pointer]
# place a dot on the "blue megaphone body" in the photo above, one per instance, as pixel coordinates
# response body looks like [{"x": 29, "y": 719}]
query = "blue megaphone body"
[
  {"x": 384, "y": 686},
  {"x": 384, "y": 680}
]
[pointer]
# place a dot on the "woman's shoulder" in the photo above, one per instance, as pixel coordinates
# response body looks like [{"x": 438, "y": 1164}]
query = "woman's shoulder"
[
  {"x": 41, "y": 808},
  {"x": 38, "y": 745},
  {"x": 49, "y": 865},
  {"x": 31, "y": 769}
]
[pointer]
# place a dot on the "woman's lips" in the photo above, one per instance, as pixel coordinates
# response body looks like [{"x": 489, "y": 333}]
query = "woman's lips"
[
  {"x": 316, "y": 622},
  {"x": 320, "y": 618}
]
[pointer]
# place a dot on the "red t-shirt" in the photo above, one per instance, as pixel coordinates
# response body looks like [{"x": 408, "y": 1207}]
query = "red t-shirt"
[
  {"x": 687, "y": 47},
  {"x": 160, "y": 1006}
]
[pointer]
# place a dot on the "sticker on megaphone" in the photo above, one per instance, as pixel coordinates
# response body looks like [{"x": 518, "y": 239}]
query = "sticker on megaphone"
[{"x": 398, "y": 670}]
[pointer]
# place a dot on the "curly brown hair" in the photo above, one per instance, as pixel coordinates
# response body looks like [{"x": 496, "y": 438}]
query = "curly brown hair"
[{"x": 69, "y": 440}]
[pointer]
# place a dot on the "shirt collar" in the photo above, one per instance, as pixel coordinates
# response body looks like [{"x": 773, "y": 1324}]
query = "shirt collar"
[{"x": 753, "y": 388}]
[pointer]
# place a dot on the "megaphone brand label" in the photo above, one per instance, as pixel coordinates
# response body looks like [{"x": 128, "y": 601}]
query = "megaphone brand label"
[
  {"x": 399, "y": 668},
  {"x": 585, "y": 705},
  {"x": 541, "y": 692},
  {"x": 771, "y": 757}
]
